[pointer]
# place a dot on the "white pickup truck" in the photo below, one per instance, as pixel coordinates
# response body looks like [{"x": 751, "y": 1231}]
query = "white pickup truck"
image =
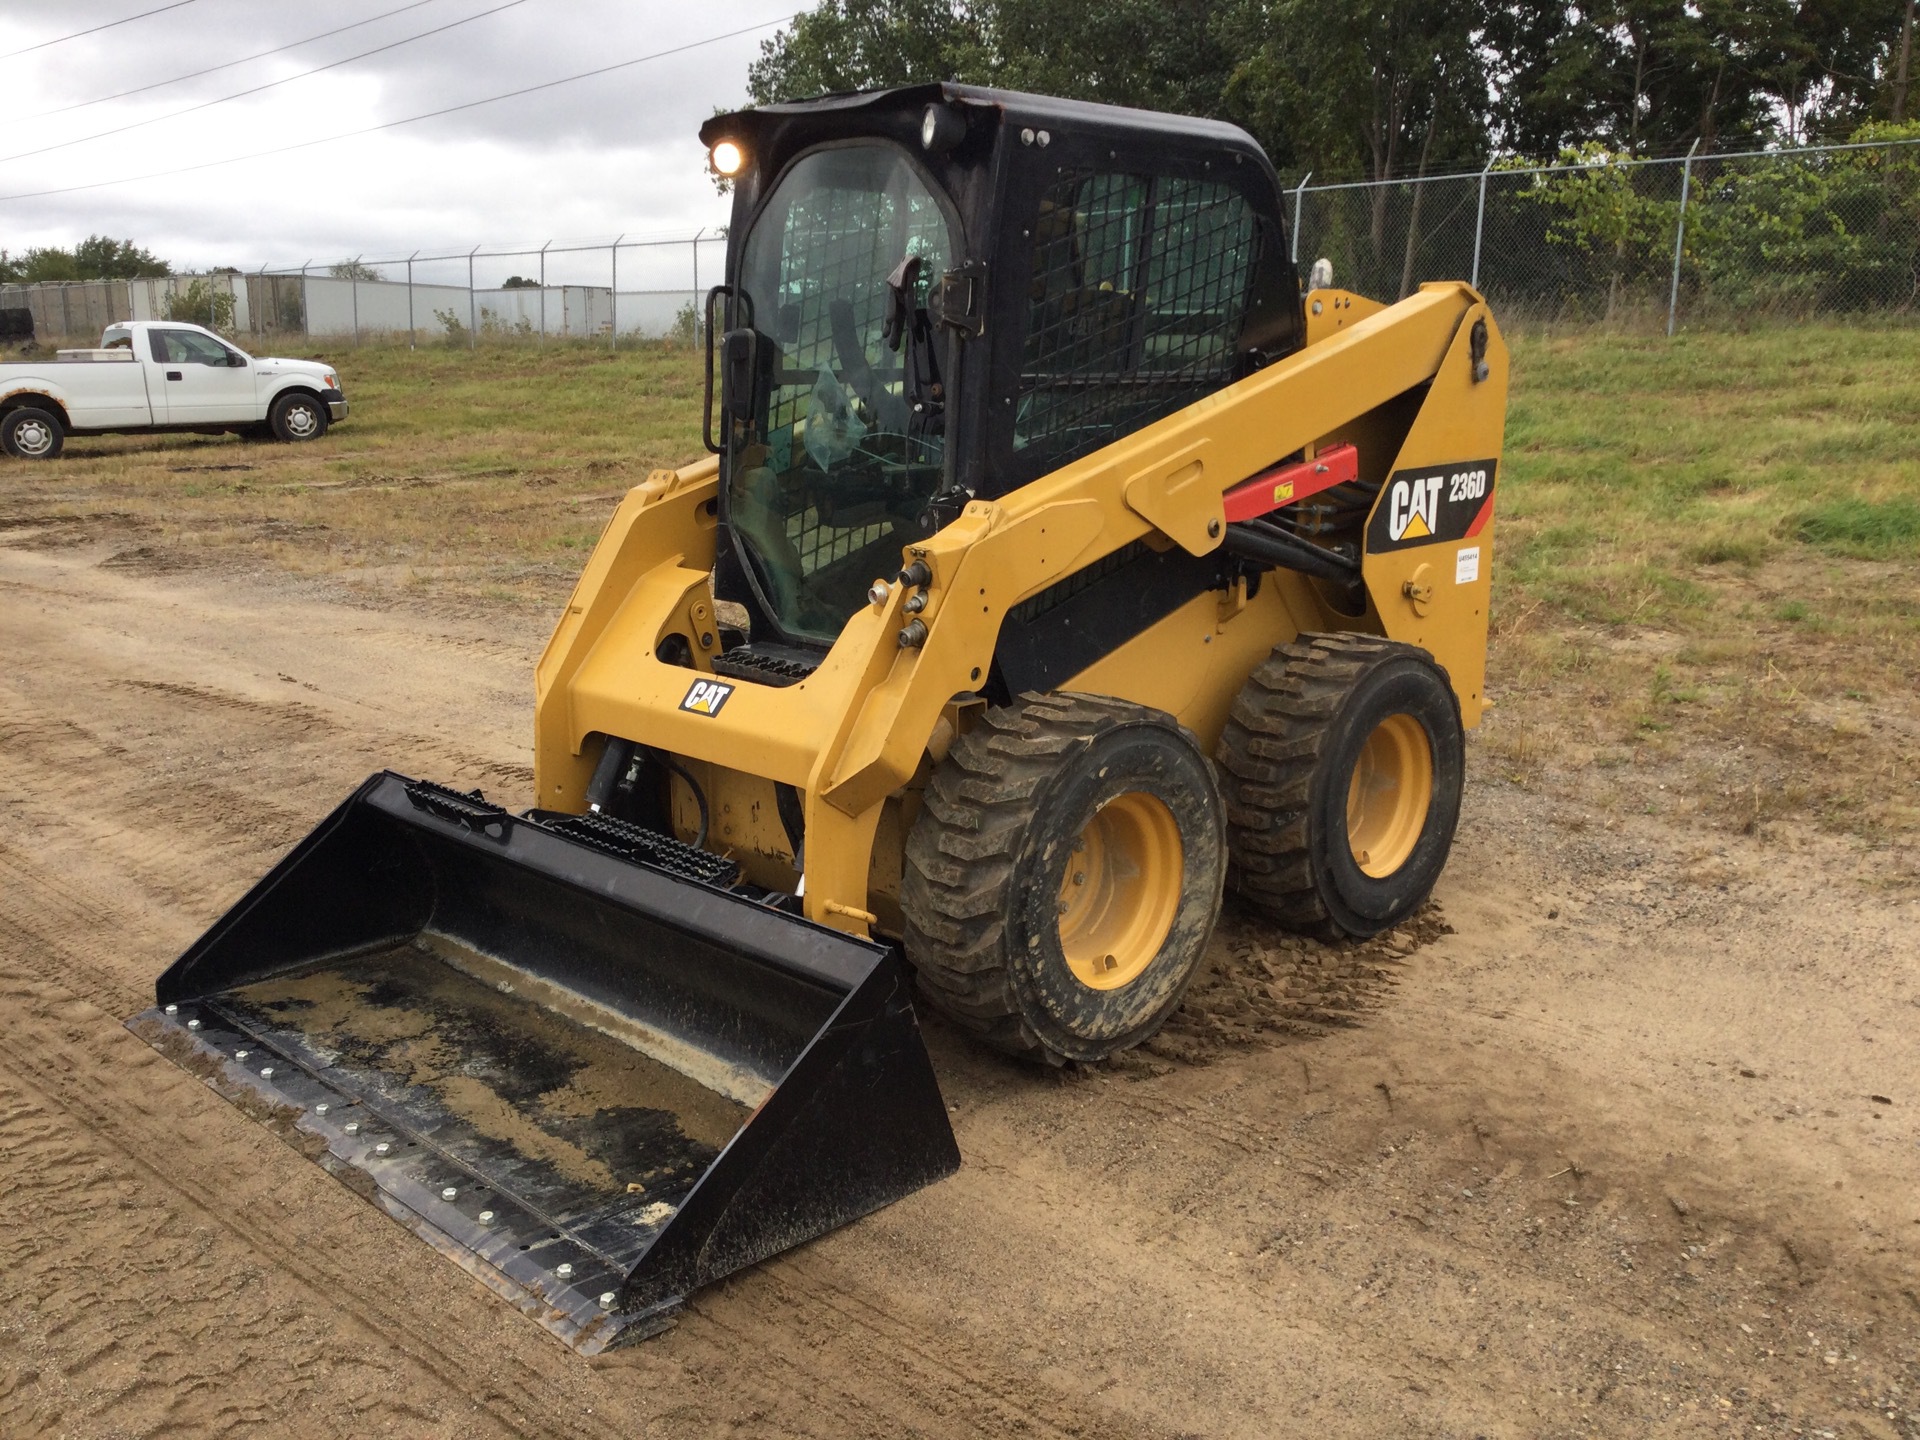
[{"x": 162, "y": 375}]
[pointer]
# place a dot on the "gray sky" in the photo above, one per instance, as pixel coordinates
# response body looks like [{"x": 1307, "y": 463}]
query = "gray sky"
[{"x": 583, "y": 161}]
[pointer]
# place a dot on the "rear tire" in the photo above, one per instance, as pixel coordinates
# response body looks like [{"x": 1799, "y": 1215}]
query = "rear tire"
[
  {"x": 30, "y": 433},
  {"x": 1342, "y": 764},
  {"x": 1064, "y": 876},
  {"x": 297, "y": 416}
]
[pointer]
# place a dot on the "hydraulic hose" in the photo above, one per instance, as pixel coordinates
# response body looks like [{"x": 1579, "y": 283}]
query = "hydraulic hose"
[
  {"x": 672, "y": 762},
  {"x": 1270, "y": 545}
]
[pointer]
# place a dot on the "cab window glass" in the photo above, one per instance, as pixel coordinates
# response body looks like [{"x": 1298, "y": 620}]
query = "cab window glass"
[
  {"x": 1135, "y": 302},
  {"x": 191, "y": 348}
]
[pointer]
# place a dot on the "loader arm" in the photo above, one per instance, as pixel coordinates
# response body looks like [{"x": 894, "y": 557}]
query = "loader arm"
[{"x": 856, "y": 729}]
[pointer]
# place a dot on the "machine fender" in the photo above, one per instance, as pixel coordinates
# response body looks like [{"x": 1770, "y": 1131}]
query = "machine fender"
[{"x": 990, "y": 574}]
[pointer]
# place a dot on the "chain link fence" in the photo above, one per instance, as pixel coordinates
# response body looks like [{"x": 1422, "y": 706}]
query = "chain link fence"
[
  {"x": 607, "y": 291},
  {"x": 1701, "y": 240}
]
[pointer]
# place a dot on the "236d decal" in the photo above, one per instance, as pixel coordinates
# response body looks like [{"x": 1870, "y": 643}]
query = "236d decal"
[{"x": 1432, "y": 504}]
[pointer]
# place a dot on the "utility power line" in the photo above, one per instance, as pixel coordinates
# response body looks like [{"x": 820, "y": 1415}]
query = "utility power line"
[
  {"x": 409, "y": 120},
  {"x": 95, "y": 30},
  {"x": 255, "y": 90},
  {"x": 226, "y": 64}
]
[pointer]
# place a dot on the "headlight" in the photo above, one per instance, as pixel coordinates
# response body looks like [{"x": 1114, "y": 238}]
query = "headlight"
[
  {"x": 941, "y": 128},
  {"x": 727, "y": 158}
]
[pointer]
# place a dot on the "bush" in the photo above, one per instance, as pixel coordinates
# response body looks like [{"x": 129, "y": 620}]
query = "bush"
[{"x": 201, "y": 304}]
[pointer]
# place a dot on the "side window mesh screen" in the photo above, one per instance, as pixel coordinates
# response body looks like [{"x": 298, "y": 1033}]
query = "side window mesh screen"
[{"x": 1138, "y": 289}]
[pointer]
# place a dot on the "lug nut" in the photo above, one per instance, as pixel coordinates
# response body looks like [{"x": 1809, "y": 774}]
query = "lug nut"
[
  {"x": 321, "y": 1109},
  {"x": 241, "y": 1054},
  {"x": 193, "y": 1024},
  {"x": 1079, "y": 877},
  {"x": 448, "y": 1193},
  {"x": 173, "y": 1010},
  {"x": 607, "y": 1299},
  {"x": 564, "y": 1271},
  {"x": 353, "y": 1127},
  {"x": 382, "y": 1148},
  {"x": 486, "y": 1217},
  {"x": 266, "y": 1072}
]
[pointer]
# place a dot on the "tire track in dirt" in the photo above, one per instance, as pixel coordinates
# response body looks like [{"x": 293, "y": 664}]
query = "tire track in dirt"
[
  {"x": 358, "y": 1289},
  {"x": 1120, "y": 1257}
]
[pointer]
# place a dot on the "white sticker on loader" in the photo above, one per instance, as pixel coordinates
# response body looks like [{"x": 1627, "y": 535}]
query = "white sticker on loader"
[{"x": 1466, "y": 565}]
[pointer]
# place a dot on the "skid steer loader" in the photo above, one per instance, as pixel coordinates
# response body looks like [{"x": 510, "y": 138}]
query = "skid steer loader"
[{"x": 1058, "y": 565}]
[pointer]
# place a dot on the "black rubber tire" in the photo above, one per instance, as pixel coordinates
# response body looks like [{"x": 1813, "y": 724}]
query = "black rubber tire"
[
  {"x": 29, "y": 433},
  {"x": 988, "y": 854},
  {"x": 285, "y": 415},
  {"x": 1287, "y": 756}
]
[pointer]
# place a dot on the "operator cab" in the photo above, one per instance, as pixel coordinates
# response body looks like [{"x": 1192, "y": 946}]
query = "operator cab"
[{"x": 942, "y": 293}]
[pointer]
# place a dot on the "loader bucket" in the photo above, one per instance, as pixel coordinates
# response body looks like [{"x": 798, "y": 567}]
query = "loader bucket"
[{"x": 559, "y": 1050}]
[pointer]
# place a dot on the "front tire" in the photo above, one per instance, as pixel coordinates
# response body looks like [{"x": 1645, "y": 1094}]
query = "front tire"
[
  {"x": 1064, "y": 876},
  {"x": 296, "y": 417},
  {"x": 30, "y": 433},
  {"x": 1342, "y": 764}
]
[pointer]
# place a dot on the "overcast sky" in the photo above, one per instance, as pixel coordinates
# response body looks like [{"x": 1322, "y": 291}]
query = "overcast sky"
[{"x": 581, "y": 161}]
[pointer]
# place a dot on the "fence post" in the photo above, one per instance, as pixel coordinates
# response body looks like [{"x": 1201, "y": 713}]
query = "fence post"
[
  {"x": 66, "y": 314},
  {"x": 1680, "y": 237},
  {"x": 410, "y": 338},
  {"x": 473, "y": 311},
  {"x": 306, "y": 312},
  {"x": 543, "y": 292},
  {"x": 613, "y": 297},
  {"x": 356, "y": 301},
  {"x": 1299, "y": 195},
  {"x": 699, "y": 308},
  {"x": 1480, "y": 223}
]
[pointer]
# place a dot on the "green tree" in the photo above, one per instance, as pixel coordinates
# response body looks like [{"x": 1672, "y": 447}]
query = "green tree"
[
  {"x": 94, "y": 258},
  {"x": 99, "y": 258},
  {"x": 354, "y": 270}
]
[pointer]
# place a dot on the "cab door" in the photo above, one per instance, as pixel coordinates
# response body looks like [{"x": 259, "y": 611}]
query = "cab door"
[{"x": 206, "y": 382}]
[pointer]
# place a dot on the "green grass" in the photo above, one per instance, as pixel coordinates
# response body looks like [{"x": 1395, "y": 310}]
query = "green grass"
[
  {"x": 1708, "y": 558},
  {"x": 1867, "y": 529},
  {"x": 1707, "y": 553}
]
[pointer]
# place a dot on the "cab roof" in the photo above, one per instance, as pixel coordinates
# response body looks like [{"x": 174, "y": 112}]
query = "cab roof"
[{"x": 844, "y": 112}]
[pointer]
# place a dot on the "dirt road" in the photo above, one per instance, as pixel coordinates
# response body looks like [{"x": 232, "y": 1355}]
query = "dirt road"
[{"x": 1632, "y": 1151}]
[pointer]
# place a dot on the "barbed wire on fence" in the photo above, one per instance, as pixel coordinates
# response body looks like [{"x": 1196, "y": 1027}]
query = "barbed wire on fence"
[{"x": 1705, "y": 239}]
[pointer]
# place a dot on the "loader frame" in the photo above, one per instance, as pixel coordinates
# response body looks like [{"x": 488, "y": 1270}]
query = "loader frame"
[{"x": 1419, "y": 388}]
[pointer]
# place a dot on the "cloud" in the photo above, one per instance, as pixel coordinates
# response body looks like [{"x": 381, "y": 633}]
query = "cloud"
[{"x": 590, "y": 160}]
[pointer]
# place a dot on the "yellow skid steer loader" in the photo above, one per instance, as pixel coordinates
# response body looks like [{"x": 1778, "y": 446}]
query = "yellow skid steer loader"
[{"x": 1058, "y": 565}]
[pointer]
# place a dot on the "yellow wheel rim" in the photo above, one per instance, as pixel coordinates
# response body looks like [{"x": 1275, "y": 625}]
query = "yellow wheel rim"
[
  {"x": 1389, "y": 795},
  {"x": 1121, "y": 890}
]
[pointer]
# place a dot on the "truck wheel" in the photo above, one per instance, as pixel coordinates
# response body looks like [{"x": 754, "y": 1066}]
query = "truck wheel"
[
  {"x": 297, "y": 416},
  {"x": 1064, "y": 876},
  {"x": 1342, "y": 764},
  {"x": 29, "y": 433}
]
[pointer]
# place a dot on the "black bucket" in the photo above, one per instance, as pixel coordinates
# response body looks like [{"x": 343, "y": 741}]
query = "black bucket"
[{"x": 560, "y": 1050}]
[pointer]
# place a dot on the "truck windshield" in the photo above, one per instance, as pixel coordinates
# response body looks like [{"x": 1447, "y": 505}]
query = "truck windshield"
[{"x": 837, "y": 465}]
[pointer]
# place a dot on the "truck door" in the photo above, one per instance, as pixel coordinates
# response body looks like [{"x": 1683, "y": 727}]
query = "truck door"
[
  {"x": 206, "y": 382},
  {"x": 151, "y": 350}
]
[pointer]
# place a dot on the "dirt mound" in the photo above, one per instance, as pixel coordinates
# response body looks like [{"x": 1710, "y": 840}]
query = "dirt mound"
[{"x": 1263, "y": 985}]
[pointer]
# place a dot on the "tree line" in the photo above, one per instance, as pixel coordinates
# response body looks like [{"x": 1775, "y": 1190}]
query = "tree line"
[
  {"x": 95, "y": 258},
  {"x": 1394, "y": 88}
]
